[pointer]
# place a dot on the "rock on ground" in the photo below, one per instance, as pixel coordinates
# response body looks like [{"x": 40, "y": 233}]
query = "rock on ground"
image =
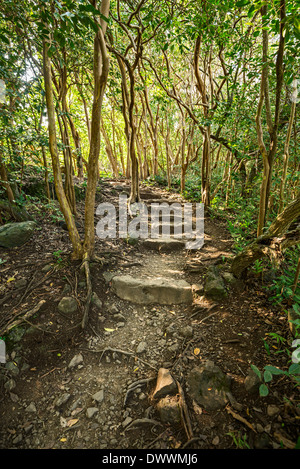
[
  {"x": 16, "y": 234},
  {"x": 209, "y": 386},
  {"x": 157, "y": 290},
  {"x": 214, "y": 284}
]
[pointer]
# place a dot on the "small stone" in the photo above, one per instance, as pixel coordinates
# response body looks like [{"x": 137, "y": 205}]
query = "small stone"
[
  {"x": 186, "y": 332},
  {"x": 17, "y": 439},
  {"x": 76, "y": 360},
  {"x": 22, "y": 282},
  {"x": 99, "y": 396},
  {"x": 259, "y": 428},
  {"x": 119, "y": 317},
  {"x": 141, "y": 347},
  {"x": 165, "y": 384},
  {"x": 252, "y": 382},
  {"x": 96, "y": 300},
  {"x": 216, "y": 441},
  {"x": 91, "y": 411},
  {"x": 198, "y": 289},
  {"x": 113, "y": 309},
  {"x": 169, "y": 410},
  {"x": 14, "y": 397},
  {"x": 67, "y": 305},
  {"x": 214, "y": 284},
  {"x": 272, "y": 410},
  {"x": 108, "y": 276},
  {"x": 60, "y": 401},
  {"x": 209, "y": 386},
  {"x": 126, "y": 422},
  {"x": 31, "y": 407},
  {"x": 10, "y": 384}
]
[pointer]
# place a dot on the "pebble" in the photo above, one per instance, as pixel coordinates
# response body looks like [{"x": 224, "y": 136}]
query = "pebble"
[
  {"x": 272, "y": 410},
  {"x": 31, "y": 407},
  {"x": 126, "y": 422},
  {"x": 141, "y": 347},
  {"x": 62, "y": 399},
  {"x": 91, "y": 411},
  {"x": 76, "y": 360},
  {"x": 10, "y": 384},
  {"x": 99, "y": 396}
]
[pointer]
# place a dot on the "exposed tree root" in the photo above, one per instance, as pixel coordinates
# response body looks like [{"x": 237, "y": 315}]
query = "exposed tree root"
[
  {"x": 16, "y": 322},
  {"x": 88, "y": 300}
]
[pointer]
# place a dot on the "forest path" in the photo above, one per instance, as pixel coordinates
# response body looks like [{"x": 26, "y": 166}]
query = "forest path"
[{"x": 64, "y": 387}]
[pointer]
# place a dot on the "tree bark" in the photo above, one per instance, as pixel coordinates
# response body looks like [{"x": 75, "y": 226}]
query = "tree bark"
[
  {"x": 275, "y": 237},
  {"x": 269, "y": 155},
  {"x": 286, "y": 146},
  {"x": 59, "y": 189},
  {"x": 100, "y": 72}
]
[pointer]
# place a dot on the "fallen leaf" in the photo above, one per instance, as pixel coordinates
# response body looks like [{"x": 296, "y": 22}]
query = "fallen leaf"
[
  {"x": 71, "y": 422},
  {"x": 196, "y": 351}
]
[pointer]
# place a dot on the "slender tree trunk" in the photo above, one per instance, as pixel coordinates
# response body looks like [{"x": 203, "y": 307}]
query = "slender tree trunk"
[
  {"x": 5, "y": 182},
  {"x": 77, "y": 143},
  {"x": 135, "y": 192},
  {"x": 269, "y": 155},
  {"x": 206, "y": 165},
  {"x": 286, "y": 146},
  {"x": 109, "y": 151},
  {"x": 61, "y": 196},
  {"x": 101, "y": 68}
]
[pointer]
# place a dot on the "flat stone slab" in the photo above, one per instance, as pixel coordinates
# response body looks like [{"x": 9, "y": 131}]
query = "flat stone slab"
[
  {"x": 146, "y": 291},
  {"x": 164, "y": 244}
]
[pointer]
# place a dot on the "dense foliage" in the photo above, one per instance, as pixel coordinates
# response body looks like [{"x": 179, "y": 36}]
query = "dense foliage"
[{"x": 199, "y": 96}]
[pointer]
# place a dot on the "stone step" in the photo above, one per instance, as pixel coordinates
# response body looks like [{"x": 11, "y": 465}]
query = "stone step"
[
  {"x": 163, "y": 244},
  {"x": 164, "y": 291}
]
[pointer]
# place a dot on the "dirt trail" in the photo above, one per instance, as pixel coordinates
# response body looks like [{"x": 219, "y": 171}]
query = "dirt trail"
[{"x": 46, "y": 403}]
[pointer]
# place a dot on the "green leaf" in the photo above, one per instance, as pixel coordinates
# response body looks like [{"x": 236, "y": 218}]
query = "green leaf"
[
  {"x": 267, "y": 376},
  {"x": 4, "y": 39},
  {"x": 242, "y": 3},
  {"x": 256, "y": 371},
  {"x": 251, "y": 11},
  {"x": 263, "y": 390},
  {"x": 294, "y": 369},
  {"x": 274, "y": 370}
]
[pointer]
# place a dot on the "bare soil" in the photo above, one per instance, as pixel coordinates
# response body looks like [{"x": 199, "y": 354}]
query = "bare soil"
[{"x": 232, "y": 334}]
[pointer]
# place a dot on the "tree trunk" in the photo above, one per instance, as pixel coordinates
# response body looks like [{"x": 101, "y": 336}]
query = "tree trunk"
[
  {"x": 269, "y": 155},
  {"x": 206, "y": 165},
  {"x": 109, "y": 151},
  {"x": 101, "y": 67},
  {"x": 274, "y": 237},
  {"x": 286, "y": 146},
  {"x": 61, "y": 196},
  {"x": 135, "y": 191}
]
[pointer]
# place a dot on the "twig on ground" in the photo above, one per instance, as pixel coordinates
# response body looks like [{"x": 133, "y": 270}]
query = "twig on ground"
[
  {"x": 27, "y": 315},
  {"x": 185, "y": 413}
]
